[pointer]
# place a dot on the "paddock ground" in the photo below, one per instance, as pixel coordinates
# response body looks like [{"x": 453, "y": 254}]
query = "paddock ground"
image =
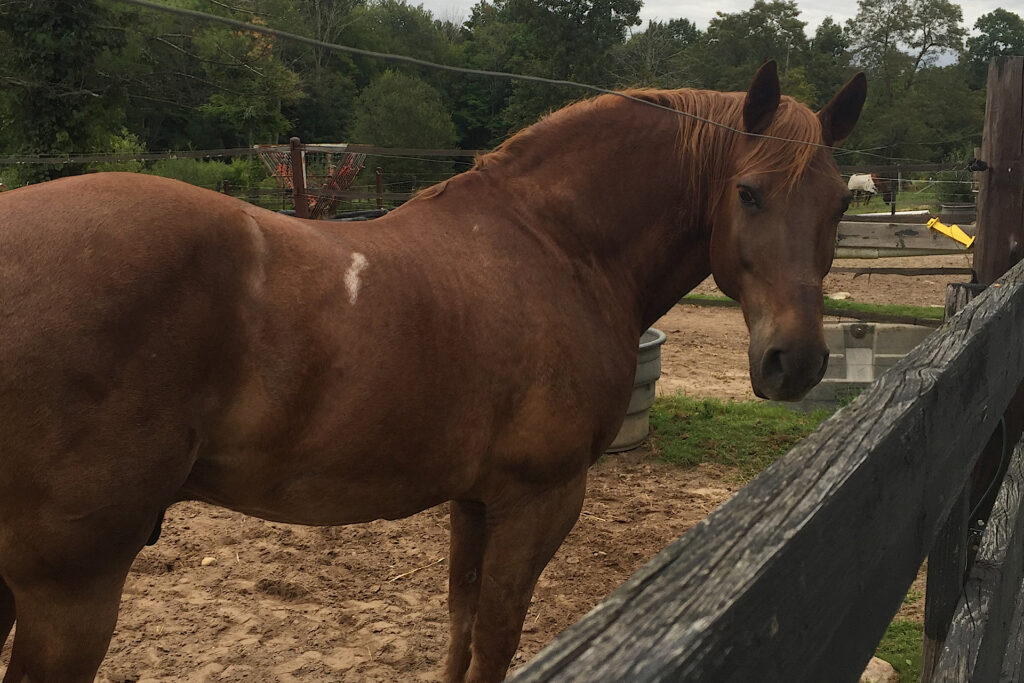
[{"x": 367, "y": 603}]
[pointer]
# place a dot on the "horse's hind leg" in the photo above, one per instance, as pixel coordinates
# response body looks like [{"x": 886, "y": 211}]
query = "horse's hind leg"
[
  {"x": 64, "y": 626},
  {"x": 466, "y": 556},
  {"x": 67, "y": 587},
  {"x": 6, "y": 612},
  {"x": 523, "y": 533}
]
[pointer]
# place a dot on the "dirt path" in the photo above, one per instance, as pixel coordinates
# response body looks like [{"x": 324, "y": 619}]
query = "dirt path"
[{"x": 368, "y": 602}]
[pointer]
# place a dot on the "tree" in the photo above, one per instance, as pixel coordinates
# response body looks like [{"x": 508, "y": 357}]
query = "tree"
[
  {"x": 894, "y": 39},
  {"x": 255, "y": 85},
  {"x": 654, "y": 57},
  {"x": 54, "y": 99},
  {"x": 828, "y": 61},
  {"x": 736, "y": 45},
  {"x": 999, "y": 33},
  {"x": 562, "y": 39},
  {"x": 399, "y": 110}
]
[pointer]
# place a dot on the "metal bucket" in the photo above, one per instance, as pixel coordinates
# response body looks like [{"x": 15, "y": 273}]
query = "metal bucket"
[
  {"x": 637, "y": 425},
  {"x": 959, "y": 214}
]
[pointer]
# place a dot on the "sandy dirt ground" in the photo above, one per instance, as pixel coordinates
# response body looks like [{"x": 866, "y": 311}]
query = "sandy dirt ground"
[{"x": 368, "y": 602}]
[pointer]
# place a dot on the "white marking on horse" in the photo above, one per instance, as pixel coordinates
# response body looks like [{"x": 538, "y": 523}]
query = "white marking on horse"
[
  {"x": 352, "y": 281},
  {"x": 476, "y": 228}
]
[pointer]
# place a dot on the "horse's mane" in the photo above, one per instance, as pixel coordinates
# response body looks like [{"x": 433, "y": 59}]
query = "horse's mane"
[{"x": 709, "y": 148}]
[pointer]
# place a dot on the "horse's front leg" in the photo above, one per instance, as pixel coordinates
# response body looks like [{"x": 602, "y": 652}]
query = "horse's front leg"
[
  {"x": 468, "y": 522},
  {"x": 524, "y": 529}
]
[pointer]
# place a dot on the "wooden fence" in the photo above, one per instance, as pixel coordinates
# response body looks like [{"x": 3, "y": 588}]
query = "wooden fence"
[{"x": 797, "y": 576}]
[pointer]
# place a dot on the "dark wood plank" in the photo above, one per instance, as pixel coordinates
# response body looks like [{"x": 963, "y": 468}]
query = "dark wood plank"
[
  {"x": 1013, "y": 662},
  {"x": 796, "y": 577},
  {"x": 947, "y": 561},
  {"x": 983, "y": 624},
  {"x": 914, "y": 219},
  {"x": 893, "y": 236},
  {"x": 947, "y": 564},
  {"x": 1001, "y": 191},
  {"x": 908, "y": 272}
]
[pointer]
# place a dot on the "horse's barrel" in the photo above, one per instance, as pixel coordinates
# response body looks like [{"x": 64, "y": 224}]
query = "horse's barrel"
[{"x": 636, "y": 426}]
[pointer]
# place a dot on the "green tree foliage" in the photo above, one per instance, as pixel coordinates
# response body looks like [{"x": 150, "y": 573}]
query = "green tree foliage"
[
  {"x": 54, "y": 99},
  {"x": 399, "y": 110},
  {"x": 654, "y": 57},
  {"x": 895, "y": 39},
  {"x": 564, "y": 39},
  {"x": 736, "y": 44},
  {"x": 1000, "y": 32},
  {"x": 92, "y": 75}
]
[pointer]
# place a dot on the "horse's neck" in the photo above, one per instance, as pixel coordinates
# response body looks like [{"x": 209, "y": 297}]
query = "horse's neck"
[{"x": 612, "y": 193}]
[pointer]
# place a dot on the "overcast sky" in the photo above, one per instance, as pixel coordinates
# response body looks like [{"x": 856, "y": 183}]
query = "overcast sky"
[{"x": 701, "y": 11}]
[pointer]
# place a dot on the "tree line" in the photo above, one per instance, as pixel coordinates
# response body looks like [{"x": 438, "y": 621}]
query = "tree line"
[{"x": 82, "y": 76}]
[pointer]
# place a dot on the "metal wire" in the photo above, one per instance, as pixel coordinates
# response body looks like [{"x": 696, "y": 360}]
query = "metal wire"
[{"x": 402, "y": 59}]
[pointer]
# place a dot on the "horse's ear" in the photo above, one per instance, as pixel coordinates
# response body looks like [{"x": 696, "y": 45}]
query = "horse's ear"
[
  {"x": 839, "y": 116},
  {"x": 762, "y": 99}
]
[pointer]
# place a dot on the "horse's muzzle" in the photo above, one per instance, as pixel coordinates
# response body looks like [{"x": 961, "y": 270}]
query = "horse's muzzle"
[{"x": 787, "y": 374}]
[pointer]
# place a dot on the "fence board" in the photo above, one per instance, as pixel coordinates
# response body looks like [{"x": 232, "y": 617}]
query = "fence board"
[
  {"x": 842, "y": 522},
  {"x": 855, "y": 235},
  {"x": 1013, "y": 663},
  {"x": 982, "y": 625},
  {"x": 947, "y": 561}
]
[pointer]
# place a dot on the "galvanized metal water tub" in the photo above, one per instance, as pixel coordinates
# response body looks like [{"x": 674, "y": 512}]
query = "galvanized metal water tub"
[{"x": 637, "y": 424}]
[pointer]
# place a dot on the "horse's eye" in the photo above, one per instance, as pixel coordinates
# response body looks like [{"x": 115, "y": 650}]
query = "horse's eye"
[{"x": 747, "y": 197}]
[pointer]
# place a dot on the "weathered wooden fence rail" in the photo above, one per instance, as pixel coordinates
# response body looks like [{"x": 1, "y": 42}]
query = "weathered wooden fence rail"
[
  {"x": 797, "y": 576},
  {"x": 859, "y": 239}
]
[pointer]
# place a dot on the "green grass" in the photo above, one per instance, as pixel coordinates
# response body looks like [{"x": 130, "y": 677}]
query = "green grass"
[
  {"x": 909, "y": 199},
  {"x": 932, "y": 312},
  {"x": 745, "y": 435},
  {"x": 901, "y": 647}
]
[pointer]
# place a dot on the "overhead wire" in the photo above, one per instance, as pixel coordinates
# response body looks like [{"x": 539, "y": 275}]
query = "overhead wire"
[{"x": 404, "y": 59}]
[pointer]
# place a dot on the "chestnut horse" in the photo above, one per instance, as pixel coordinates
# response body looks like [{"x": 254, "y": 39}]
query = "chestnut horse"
[{"x": 161, "y": 343}]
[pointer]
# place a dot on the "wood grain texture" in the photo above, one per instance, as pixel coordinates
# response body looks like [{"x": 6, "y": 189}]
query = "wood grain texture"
[
  {"x": 983, "y": 625},
  {"x": 947, "y": 561},
  {"x": 796, "y": 577},
  {"x": 1001, "y": 190},
  {"x": 857, "y": 235},
  {"x": 947, "y": 565}
]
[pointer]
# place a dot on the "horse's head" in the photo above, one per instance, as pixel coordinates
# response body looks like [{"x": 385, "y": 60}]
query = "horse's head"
[{"x": 774, "y": 230}]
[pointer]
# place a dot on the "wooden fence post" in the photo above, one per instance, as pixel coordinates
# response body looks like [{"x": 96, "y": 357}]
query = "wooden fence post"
[
  {"x": 380, "y": 187},
  {"x": 1000, "y": 228},
  {"x": 1000, "y": 245},
  {"x": 299, "y": 199}
]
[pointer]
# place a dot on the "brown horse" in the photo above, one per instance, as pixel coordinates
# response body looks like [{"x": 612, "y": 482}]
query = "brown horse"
[{"x": 160, "y": 343}]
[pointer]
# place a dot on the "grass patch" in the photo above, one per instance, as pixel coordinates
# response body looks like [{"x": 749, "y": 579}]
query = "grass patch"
[
  {"x": 930, "y": 312},
  {"x": 746, "y": 435},
  {"x": 901, "y": 647}
]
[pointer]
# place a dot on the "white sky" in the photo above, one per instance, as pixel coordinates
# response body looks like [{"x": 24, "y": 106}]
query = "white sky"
[{"x": 701, "y": 11}]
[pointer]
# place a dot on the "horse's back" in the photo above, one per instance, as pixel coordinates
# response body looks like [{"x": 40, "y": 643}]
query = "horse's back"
[{"x": 121, "y": 324}]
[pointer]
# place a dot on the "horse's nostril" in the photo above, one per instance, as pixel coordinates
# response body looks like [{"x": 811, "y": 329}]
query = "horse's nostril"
[{"x": 772, "y": 366}]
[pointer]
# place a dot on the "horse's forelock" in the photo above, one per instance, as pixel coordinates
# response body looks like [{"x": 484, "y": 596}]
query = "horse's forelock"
[{"x": 711, "y": 150}]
